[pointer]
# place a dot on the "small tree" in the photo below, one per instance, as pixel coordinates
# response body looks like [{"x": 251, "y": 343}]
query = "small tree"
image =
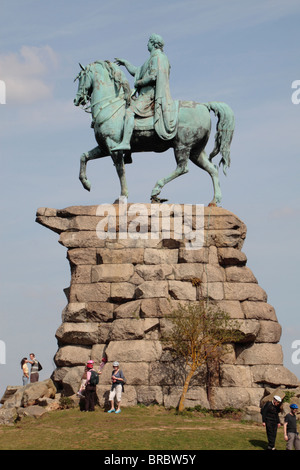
[{"x": 198, "y": 334}]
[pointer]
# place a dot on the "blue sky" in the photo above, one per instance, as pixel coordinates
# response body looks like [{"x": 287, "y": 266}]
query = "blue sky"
[{"x": 243, "y": 53}]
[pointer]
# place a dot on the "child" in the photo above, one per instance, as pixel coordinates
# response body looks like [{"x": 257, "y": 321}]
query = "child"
[
  {"x": 80, "y": 392},
  {"x": 102, "y": 364}
]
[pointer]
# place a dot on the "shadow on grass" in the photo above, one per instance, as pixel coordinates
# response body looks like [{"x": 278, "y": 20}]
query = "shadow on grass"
[{"x": 258, "y": 443}]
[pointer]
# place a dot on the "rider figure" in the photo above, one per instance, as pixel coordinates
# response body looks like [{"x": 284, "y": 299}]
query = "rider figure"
[{"x": 154, "y": 98}]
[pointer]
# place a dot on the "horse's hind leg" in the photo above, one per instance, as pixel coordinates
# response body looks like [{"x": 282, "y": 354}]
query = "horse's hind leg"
[
  {"x": 118, "y": 160},
  {"x": 182, "y": 157},
  {"x": 85, "y": 157},
  {"x": 203, "y": 162}
]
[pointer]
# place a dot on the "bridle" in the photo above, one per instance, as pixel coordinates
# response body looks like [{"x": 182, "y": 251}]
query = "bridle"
[
  {"x": 84, "y": 93},
  {"x": 88, "y": 108}
]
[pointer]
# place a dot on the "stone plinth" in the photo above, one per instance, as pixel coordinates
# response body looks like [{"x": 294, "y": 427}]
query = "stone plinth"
[{"x": 125, "y": 281}]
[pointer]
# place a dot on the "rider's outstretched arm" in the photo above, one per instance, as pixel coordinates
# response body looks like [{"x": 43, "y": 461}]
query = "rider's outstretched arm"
[{"x": 132, "y": 69}]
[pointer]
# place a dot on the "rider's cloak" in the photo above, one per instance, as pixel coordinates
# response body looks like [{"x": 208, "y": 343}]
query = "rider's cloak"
[{"x": 154, "y": 95}]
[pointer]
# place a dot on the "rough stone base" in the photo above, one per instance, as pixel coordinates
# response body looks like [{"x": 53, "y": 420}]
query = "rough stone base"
[
  {"x": 34, "y": 399},
  {"x": 122, "y": 288}
]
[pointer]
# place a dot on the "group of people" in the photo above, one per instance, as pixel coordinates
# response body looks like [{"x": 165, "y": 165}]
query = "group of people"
[
  {"x": 270, "y": 418},
  {"x": 33, "y": 376},
  {"x": 90, "y": 379}
]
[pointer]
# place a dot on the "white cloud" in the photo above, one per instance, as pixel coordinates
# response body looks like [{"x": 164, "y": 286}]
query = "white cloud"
[
  {"x": 25, "y": 74},
  {"x": 49, "y": 115},
  {"x": 284, "y": 212}
]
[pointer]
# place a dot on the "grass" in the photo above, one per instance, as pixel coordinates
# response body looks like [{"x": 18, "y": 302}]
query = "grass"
[{"x": 136, "y": 428}]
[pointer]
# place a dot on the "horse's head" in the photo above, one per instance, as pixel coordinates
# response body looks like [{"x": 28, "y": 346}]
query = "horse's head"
[
  {"x": 100, "y": 81},
  {"x": 84, "y": 86}
]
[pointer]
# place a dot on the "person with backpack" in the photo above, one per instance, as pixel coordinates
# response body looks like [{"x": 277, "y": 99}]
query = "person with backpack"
[
  {"x": 117, "y": 387},
  {"x": 81, "y": 391},
  {"x": 35, "y": 368},
  {"x": 92, "y": 380}
]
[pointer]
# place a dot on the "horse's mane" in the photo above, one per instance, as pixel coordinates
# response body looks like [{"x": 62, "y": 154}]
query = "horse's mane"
[{"x": 116, "y": 74}]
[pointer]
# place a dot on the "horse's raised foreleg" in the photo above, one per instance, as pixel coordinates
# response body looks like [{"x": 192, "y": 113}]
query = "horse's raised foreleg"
[
  {"x": 182, "y": 157},
  {"x": 118, "y": 160},
  {"x": 203, "y": 162},
  {"x": 85, "y": 157}
]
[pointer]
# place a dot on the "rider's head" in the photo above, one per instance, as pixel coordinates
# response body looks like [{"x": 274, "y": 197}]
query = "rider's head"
[{"x": 157, "y": 41}]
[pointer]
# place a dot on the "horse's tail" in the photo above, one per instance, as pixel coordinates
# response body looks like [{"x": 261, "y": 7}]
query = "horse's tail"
[{"x": 224, "y": 134}]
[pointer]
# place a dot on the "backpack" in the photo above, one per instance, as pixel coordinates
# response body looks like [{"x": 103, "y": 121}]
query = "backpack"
[
  {"x": 39, "y": 366},
  {"x": 124, "y": 380},
  {"x": 94, "y": 380}
]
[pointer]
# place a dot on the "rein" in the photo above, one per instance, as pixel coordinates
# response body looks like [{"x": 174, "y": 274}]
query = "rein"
[
  {"x": 110, "y": 101},
  {"x": 104, "y": 103}
]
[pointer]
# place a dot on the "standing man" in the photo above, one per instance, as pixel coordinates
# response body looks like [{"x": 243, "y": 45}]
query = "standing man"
[
  {"x": 270, "y": 419},
  {"x": 154, "y": 97},
  {"x": 34, "y": 372},
  {"x": 291, "y": 435}
]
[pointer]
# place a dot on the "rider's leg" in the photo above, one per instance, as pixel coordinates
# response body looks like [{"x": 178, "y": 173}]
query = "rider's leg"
[{"x": 127, "y": 133}]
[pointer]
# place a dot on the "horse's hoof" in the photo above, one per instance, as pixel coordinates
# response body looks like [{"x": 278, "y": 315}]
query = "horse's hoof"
[
  {"x": 87, "y": 185},
  {"x": 121, "y": 200},
  {"x": 158, "y": 200}
]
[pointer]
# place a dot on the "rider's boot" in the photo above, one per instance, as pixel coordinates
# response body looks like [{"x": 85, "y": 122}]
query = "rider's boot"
[{"x": 127, "y": 133}]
